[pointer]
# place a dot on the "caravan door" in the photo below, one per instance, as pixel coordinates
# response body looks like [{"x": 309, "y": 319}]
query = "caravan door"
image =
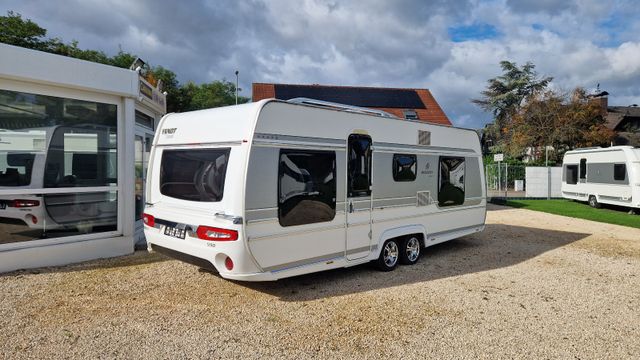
[{"x": 358, "y": 211}]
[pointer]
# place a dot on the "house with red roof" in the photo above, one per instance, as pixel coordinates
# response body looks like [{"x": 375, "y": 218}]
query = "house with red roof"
[{"x": 413, "y": 104}]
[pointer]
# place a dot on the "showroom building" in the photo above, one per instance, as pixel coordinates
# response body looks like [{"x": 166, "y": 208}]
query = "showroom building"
[{"x": 74, "y": 143}]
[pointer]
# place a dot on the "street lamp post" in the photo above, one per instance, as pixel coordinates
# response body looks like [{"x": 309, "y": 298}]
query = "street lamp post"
[{"x": 237, "y": 72}]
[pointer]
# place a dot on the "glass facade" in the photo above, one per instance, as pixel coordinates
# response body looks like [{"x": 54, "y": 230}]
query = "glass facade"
[{"x": 58, "y": 166}]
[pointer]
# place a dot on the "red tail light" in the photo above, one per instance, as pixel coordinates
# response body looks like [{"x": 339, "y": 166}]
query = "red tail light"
[
  {"x": 148, "y": 220},
  {"x": 216, "y": 234},
  {"x": 228, "y": 263},
  {"x": 23, "y": 203}
]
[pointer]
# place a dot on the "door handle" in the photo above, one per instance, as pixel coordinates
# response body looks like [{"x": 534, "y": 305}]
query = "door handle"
[{"x": 350, "y": 206}]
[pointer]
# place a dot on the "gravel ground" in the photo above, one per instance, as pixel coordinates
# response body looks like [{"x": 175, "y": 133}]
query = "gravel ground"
[{"x": 532, "y": 285}]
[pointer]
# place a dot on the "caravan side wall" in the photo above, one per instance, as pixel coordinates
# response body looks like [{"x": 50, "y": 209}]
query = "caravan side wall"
[{"x": 395, "y": 208}]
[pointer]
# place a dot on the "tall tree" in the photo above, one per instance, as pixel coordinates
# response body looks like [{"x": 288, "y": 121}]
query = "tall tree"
[
  {"x": 19, "y": 32},
  {"x": 505, "y": 94},
  {"x": 564, "y": 121}
]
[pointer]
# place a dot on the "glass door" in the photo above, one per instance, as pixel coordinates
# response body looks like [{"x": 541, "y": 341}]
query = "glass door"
[{"x": 143, "y": 141}]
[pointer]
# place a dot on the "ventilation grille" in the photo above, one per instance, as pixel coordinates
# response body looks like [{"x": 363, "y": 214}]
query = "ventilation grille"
[
  {"x": 424, "y": 198},
  {"x": 424, "y": 137}
]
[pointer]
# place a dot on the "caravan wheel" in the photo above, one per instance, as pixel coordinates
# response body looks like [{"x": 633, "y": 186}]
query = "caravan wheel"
[
  {"x": 593, "y": 202},
  {"x": 389, "y": 255},
  {"x": 410, "y": 250}
]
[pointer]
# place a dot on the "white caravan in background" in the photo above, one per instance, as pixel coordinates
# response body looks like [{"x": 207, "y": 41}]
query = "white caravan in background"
[
  {"x": 273, "y": 189},
  {"x": 602, "y": 176},
  {"x": 58, "y": 156}
]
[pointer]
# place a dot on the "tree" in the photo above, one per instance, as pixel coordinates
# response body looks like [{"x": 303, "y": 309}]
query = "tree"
[
  {"x": 209, "y": 95},
  {"x": 559, "y": 120},
  {"x": 506, "y": 93},
  {"x": 25, "y": 33}
]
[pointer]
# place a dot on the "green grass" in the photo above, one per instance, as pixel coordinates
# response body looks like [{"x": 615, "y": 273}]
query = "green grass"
[{"x": 580, "y": 211}]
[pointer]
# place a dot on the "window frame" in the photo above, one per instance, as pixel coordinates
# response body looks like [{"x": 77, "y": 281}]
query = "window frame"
[
  {"x": 350, "y": 192},
  {"x": 284, "y": 151},
  {"x": 74, "y": 94},
  {"x": 616, "y": 172},
  {"x": 410, "y": 114},
  {"x": 395, "y": 171},
  {"x": 224, "y": 151},
  {"x": 582, "y": 170},
  {"x": 574, "y": 168}
]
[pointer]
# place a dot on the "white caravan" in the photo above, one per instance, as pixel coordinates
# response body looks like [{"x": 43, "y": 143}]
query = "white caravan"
[
  {"x": 273, "y": 189},
  {"x": 81, "y": 155},
  {"x": 602, "y": 175}
]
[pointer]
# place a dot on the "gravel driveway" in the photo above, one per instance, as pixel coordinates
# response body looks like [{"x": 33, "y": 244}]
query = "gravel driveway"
[{"x": 532, "y": 285}]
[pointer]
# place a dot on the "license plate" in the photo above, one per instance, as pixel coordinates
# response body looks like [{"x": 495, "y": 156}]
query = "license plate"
[{"x": 175, "y": 232}]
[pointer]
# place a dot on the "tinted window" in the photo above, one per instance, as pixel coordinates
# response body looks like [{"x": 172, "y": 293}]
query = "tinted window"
[
  {"x": 359, "y": 167},
  {"x": 583, "y": 168},
  {"x": 16, "y": 168},
  {"x": 306, "y": 187},
  {"x": 572, "y": 174},
  {"x": 451, "y": 189},
  {"x": 81, "y": 156},
  {"x": 619, "y": 171},
  {"x": 196, "y": 175},
  {"x": 404, "y": 167}
]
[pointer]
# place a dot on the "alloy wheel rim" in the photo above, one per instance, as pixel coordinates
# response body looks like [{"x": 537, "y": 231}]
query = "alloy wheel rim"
[
  {"x": 390, "y": 254},
  {"x": 413, "y": 249}
]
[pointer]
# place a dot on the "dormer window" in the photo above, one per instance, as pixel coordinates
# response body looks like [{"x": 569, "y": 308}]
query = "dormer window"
[{"x": 410, "y": 114}]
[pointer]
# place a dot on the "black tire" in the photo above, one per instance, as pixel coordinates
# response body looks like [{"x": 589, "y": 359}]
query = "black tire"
[
  {"x": 410, "y": 250},
  {"x": 389, "y": 256},
  {"x": 593, "y": 202}
]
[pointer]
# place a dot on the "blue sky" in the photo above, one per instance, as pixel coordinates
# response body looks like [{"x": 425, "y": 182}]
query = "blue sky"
[
  {"x": 450, "y": 47},
  {"x": 473, "y": 32}
]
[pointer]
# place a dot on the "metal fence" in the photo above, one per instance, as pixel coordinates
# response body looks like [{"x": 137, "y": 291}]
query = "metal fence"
[
  {"x": 519, "y": 181},
  {"x": 504, "y": 180}
]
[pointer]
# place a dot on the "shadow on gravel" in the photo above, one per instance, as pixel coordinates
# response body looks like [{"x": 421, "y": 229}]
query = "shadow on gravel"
[
  {"x": 497, "y": 247},
  {"x": 141, "y": 257}
]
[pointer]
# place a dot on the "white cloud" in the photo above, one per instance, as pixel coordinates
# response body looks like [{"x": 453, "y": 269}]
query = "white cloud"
[{"x": 402, "y": 43}]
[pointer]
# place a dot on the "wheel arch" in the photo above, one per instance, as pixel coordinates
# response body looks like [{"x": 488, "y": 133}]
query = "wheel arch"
[{"x": 402, "y": 231}]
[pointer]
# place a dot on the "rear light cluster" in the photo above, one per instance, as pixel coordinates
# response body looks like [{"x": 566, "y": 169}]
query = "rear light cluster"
[
  {"x": 23, "y": 203},
  {"x": 148, "y": 220},
  {"x": 210, "y": 233}
]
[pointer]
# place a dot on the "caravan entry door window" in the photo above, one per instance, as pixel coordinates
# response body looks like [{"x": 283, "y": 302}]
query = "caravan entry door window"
[{"x": 359, "y": 165}]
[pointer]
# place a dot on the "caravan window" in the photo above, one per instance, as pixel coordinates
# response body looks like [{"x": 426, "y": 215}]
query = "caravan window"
[
  {"x": 306, "y": 186},
  {"x": 404, "y": 167},
  {"x": 196, "y": 175},
  {"x": 16, "y": 168},
  {"x": 359, "y": 166},
  {"x": 81, "y": 156},
  {"x": 451, "y": 181},
  {"x": 619, "y": 172},
  {"x": 571, "y": 172},
  {"x": 583, "y": 169}
]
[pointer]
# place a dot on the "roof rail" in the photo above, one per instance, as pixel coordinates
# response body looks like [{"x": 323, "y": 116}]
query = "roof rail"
[
  {"x": 343, "y": 107},
  {"x": 588, "y": 148}
]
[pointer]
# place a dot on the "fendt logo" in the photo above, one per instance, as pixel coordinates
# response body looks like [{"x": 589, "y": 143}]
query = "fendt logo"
[{"x": 169, "y": 131}]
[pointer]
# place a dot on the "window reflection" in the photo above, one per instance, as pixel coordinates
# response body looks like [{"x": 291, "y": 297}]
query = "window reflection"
[
  {"x": 306, "y": 186},
  {"x": 30, "y": 217},
  {"x": 53, "y": 142}
]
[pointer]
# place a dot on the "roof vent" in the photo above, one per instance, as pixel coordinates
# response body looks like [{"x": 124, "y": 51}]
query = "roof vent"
[{"x": 424, "y": 137}]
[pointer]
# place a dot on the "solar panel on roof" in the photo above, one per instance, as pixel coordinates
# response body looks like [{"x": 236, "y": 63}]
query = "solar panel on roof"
[{"x": 365, "y": 97}]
